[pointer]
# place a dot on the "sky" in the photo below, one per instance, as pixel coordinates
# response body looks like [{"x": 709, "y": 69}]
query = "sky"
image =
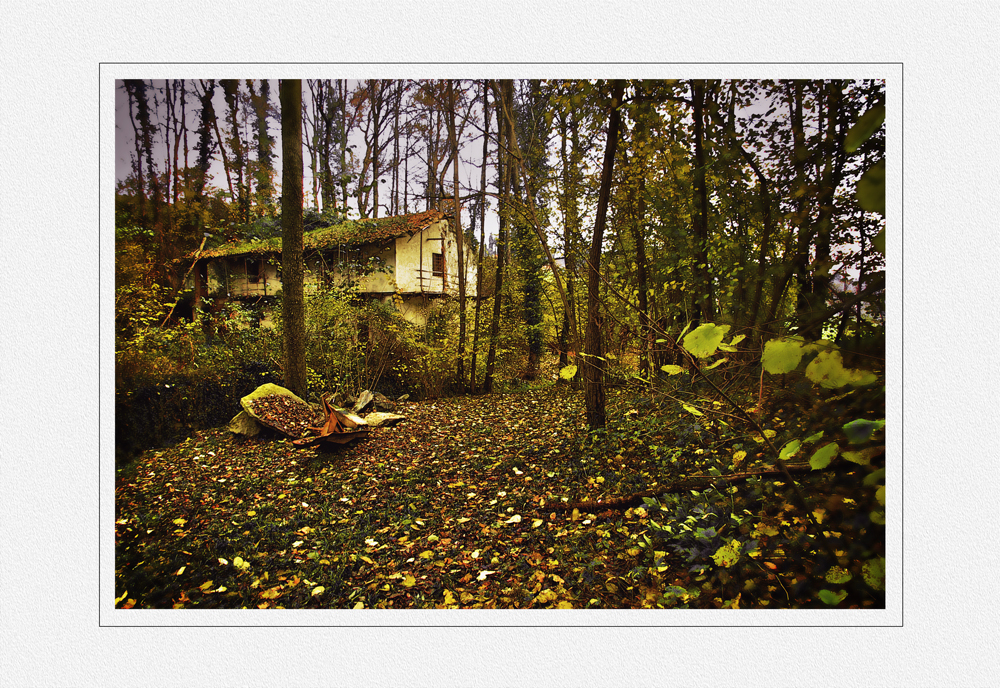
[{"x": 125, "y": 149}]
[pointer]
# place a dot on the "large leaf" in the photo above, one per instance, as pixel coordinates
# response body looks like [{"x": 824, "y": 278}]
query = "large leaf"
[
  {"x": 704, "y": 340},
  {"x": 862, "y": 130},
  {"x": 861, "y": 430},
  {"x": 568, "y": 373},
  {"x": 871, "y": 189},
  {"x": 828, "y": 370},
  {"x": 822, "y": 457},
  {"x": 879, "y": 241},
  {"x": 873, "y": 572},
  {"x": 782, "y": 355}
]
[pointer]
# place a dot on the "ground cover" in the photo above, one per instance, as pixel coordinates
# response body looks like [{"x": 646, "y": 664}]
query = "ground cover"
[{"x": 458, "y": 506}]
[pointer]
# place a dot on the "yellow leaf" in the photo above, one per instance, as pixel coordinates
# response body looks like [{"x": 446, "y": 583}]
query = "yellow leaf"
[
  {"x": 318, "y": 590},
  {"x": 426, "y": 554},
  {"x": 251, "y": 513},
  {"x": 536, "y": 522},
  {"x": 575, "y": 515},
  {"x": 271, "y": 593},
  {"x": 546, "y": 596},
  {"x": 365, "y": 559},
  {"x": 449, "y": 597},
  {"x": 359, "y": 605},
  {"x": 180, "y": 571},
  {"x": 464, "y": 520},
  {"x": 119, "y": 599},
  {"x": 565, "y": 604},
  {"x": 409, "y": 581},
  {"x": 206, "y": 585},
  {"x": 513, "y": 519},
  {"x": 180, "y": 521}
]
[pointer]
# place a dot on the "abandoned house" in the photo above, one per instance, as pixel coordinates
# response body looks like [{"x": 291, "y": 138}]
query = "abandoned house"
[{"x": 409, "y": 260}]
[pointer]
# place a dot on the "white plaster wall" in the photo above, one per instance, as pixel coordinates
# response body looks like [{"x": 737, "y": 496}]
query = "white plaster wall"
[{"x": 410, "y": 260}]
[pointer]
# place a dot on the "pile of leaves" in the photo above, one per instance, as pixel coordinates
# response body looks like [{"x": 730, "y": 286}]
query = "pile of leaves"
[{"x": 465, "y": 504}]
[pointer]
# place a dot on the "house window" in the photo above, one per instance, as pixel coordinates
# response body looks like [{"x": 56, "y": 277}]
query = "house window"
[
  {"x": 437, "y": 264},
  {"x": 254, "y": 268}
]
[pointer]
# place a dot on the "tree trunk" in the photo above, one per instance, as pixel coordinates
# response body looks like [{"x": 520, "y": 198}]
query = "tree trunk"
[
  {"x": 706, "y": 299},
  {"x": 459, "y": 234},
  {"x": 594, "y": 368},
  {"x": 482, "y": 235},
  {"x": 504, "y": 96},
  {"x": 293, "y": 306}
]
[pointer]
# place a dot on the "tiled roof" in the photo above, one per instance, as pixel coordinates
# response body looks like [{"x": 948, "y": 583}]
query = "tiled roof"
[{"x": 349, "y": 233}]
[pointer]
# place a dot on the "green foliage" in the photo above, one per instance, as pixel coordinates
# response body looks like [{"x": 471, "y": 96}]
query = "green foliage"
[
  {"x": 860, "y": 430},
  {"x": 822, "y": 457},
  {"x": 871, "y": 189},
  {"x": 782, "y": 355},
  {"x": 705, "y": 339},
  {"x": 863, "y": 129}
]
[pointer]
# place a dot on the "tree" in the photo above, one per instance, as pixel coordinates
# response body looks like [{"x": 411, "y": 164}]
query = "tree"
[
  {"x": 293, "y": 304},
  {"x": 594, "y": 363},
  {"x": 503, "y": 95},
  {"x": 265, "y": 147},
  {"x": 459, "y": 234},
  {"x": 481, "y": 206}
]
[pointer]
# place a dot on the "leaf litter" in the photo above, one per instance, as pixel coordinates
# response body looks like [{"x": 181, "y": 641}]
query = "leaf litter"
[{"x": 450, "y": 509}]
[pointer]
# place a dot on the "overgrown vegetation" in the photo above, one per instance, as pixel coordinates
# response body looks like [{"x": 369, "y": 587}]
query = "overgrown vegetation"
[{"x": 738, "y": 460}]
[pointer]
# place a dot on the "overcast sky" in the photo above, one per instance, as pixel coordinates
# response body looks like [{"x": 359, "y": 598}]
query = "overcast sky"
[{"x": 125, "y": 149}]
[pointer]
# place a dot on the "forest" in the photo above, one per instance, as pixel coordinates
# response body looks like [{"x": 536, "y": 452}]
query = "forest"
[{"x": 658, "y": 381}]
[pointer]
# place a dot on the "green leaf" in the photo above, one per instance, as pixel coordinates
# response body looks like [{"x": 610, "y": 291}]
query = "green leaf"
[
  {"x": 731, "y": 346},
  {"x": 790, "y": 450},
  {"x": 728, "y": 554},
  {"x": 879, "y": 241},
  {"x": 880, "y": 495},
  {"x": 672, "y": 369},
  {"x": 814, "y": 438},
  {"x": 874, "y": 478},
  {"x": 862, "y": 458},
  {"x": 832, "y": 598},
  {"x": 822, "y": 457},
  {"x": 871, "y": 189},
  {"x": 568, "y": 373},
  {"x": 861, "y": 430},
  {"x": 863, "y": 129},
  {"x": 704, "y": 340},
  {"x": 692, "y": 410},
  {"x": 838, "y": 575},
  {"x": 873, "y": 571},
  {"x": 828, "y": 370},
  {"x": 782, "y": 355}
]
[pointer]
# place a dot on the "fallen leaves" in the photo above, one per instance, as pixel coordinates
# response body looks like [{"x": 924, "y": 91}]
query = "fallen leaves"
[{"x": 395, "y": 523}]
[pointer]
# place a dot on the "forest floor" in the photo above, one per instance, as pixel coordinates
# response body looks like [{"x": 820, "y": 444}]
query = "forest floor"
[{"x": 451, "y": 508}]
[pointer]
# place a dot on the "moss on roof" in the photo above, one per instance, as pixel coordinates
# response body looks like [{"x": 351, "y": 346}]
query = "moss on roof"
[{"x": 349, "y": 233}]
